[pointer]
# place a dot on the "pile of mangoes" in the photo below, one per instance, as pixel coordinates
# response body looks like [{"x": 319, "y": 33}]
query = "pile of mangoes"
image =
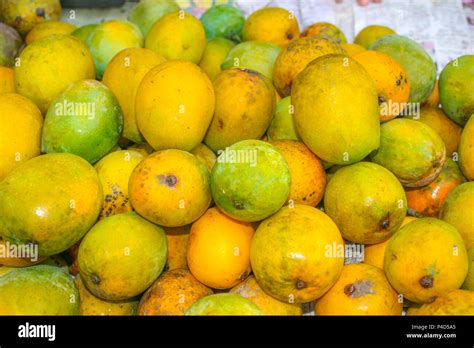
[{"x": 170, "y": 165}]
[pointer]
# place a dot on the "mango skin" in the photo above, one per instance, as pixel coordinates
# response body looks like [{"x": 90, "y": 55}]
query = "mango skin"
[
  {"x": 457, "y": 210},
  {"x": 131, "y": 65},
  {"x": 109, "y": 38},
  {"x": 294, "y": 58},
  {"x": 292, "y": 254},
  {"x": 419, "y": 273},
  {"x": 223, "y": 21},
  {"x": 147, "y": 12},
  {"x": 245, "y": 101},
  {"x": 170, "y": 188},
  {"x": 366, "y": 211},
  {"x": 269, "y": 305},
  {"x": 456, "y": 84},
  {"x": 466, "y": 150},
  {"x": 20, "y": 131},
  {"x": 325, "y": 31},
  {"x": 92, "y": 305},
  {"x": 177, "y": 35},
  {"x": 10, "y": 44},
  {"x": 51, "y": 200},
  {"x": 90, "y": 136},
  {"x": 174, "y": 105},
  {"x": 82, "y": 33},
  {"x": 411, "y": 150},
  {"x": 49, "y": 65},
  {"x": 7, "y": 82},
  {"x": 282, "y": 126},
  {"x": 172, "y": 293},
  {"x": 250, "y": 191},
  {"x": 23, "y": 15},
  {"x": 469, "y": 281},
  {"x": 273, "y": 24},
  {"x": 135, "y": 256},
  {"x": 214, "y": 55},
  {"x": 454, "y": 302},
  {"x": 38, "y": 290},
  {"x": 419, "y": 66},
  {"x": 361, "y": 290},
  {"x": 49, "y": 28},
  {"x": 223, "y": 304},
  {"x": 372, "y": 33},
  {"x": 323, "y": 89},
  {"x": 254, "y": 55}
]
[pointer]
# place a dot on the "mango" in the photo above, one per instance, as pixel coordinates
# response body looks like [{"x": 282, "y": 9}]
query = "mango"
[
  {"x": 170, "y": 188},
  {"x": 366, "y": 211},
  {"x": 453, "y": 302},
  {"x": 177, "y": 35},
  {"x": 223, "y": 21},
  {"x": 147, "y": 12},
  {"x": 223, "y": 304},
  {"x": 131, "y": 65},
  {"x": 10, "y": 44},
  {"x": 352, "y": 49},
  {"x": 7, "y": 82},
  {"x": 273, "y": 24},
  {"x": 469, "y": 281},
  {"x": 411, "y": 150},
  {"x": 177, "y": 239},
  {"x": 360, "y": 290},
  {"x": 23, "y": 15},
  {"x": 174, "y": 105},
  {"x": 219, "y": 250},
  {"x": 447, "y": 129},
  {"x": 92, "y": 305},
  {"x": 49, "y": 28},
  {"x": 83, "y": 32},
  {"x": 294, "y": 58},
  {"x": 428, "y": 200},
  {"x": 114, "y": 172},
  {"x": 245, "y": 101},
  {"x": 38, "y": 290},
  {"x": 391, "y": 81},
  {"x": 325, "y": 30},
  {"x": 425, "y": 258},
  {"x": 135, "y": 257},
  {"x": 250, "y": 289},
  {"x": 323, "y": 89},
  {"x": 85, "y": 120},
  {"x": 372, "y": 33},
  {"x": 457, "y": 210},
  {"x": 50, "y": 200},
  {"x": 205, "y": 155},
  {"x": 250, "y": 181},
  {"x": 308, "y": 179},
  {"x": 20, "y": 131},
  {"x": 294, "y": 254},
  {"x": 254, "y": 55},
  {"x": 172, "y": 293},
  {"x": 214, "y": 55},
  {"x": 417, "y": 63},
  {"x": 109, "y": 38},
  {"x": 456, "y": 84},
  {"x": 282, "y": 126},
  {"x": 48, "y": 66},
  {"x": 466, "y": 152}
]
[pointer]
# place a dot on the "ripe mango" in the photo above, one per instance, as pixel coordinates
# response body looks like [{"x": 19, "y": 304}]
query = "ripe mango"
[
  {"x": 245, "y": 102},
  {"x": 325, "y": 30},
  {"x": 135, "y": 256},
  {"x": 366, "y": 211},
  {"x": 343, "y": 132},
  {"x": 48, "y": 28},
  {"x": 147, "y": 12},
  {"x": 466, "y": 150},
  {"x": 38, "y": 290},
  {"x": 454, "y": 302},
  {"x": 372, "y": 33},
  {"x": 51, "y": 200},
  {"x": 282, "y": 126}
]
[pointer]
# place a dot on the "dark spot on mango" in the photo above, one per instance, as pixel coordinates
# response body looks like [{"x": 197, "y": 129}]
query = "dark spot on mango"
[
  {"x": 243, "y": 275},
  {"x": 385, "y": 224},
  {"x": 220, "y": 123},
  {"x": 300, "y": 284},
  {"x": 238, "y": 205},
  {"x": 398, "y": 82},
  {"x": 289, "y": 36},
  {"x": 95, "y": 279},
  {"x": 349, "y": 289},
  {"x": 40, "y": 12},
  {"x": 381, "y": 100},
  {"x": 426, "y": 282}
]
